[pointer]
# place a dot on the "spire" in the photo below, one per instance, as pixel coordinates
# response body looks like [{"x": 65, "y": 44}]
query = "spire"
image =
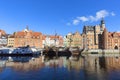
[
  {"x": 27, "y": 27},
  {"x": 102, "y": 24},
  {"x": 102, "y": 21}
]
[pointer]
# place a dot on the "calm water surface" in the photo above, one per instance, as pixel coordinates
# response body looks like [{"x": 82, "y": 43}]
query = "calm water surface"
[{"x": 40, "y": 68}]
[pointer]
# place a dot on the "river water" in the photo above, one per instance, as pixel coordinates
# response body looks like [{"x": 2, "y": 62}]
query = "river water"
[{"x": 90, "y": 67}]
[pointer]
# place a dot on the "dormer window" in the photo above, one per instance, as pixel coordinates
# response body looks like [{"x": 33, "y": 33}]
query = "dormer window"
[{"x": 33, "y": 36}]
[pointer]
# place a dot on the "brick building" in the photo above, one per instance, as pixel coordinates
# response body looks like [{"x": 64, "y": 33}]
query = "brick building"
[
  {"x": 28, "y": 38},
  {"x": 111, "y": 40},
  {"x": 92, "y": 36}
]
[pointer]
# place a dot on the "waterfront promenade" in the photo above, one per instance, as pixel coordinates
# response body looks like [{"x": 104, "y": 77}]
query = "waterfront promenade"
[{"x": 56, "y": 51}]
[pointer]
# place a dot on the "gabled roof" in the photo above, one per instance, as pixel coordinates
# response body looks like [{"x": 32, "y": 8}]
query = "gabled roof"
[
  {"x": 36, "y": 34},
  {"x": 88, "y": 28},
  {"x": 25, "y": 33},
  {"x": 112, "y": 34},
  {"x": 20, "y": 34}
]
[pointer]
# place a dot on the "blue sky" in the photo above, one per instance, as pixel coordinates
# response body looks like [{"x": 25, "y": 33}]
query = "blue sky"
[{"x": 62, "y": 16}]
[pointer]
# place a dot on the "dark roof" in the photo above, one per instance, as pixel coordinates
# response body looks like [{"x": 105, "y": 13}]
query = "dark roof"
[{"x": 88, "y": 28}]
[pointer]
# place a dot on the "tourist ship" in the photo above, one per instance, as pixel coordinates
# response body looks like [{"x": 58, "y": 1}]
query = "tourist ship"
[{"x": 19, "y": 51}]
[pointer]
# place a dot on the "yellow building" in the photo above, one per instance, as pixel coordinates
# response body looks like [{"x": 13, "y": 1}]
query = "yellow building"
[
  {"x": 74, "y": 40},
  {"x": 11, "y": 41},
  {"x": 68, "y": 39}
]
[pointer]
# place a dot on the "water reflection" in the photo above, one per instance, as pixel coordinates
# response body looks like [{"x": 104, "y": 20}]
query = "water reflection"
[
  {"x": 102, "y": 62},
  {"x": 61, "y": 68}
]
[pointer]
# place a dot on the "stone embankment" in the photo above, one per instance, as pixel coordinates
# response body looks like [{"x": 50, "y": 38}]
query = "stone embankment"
[{"x": 100, "y": 51}]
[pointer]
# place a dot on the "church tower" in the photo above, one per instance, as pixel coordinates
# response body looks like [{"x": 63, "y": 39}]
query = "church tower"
[{"x": 102, "y": 25}]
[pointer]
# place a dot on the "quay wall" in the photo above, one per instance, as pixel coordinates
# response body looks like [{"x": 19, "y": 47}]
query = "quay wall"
[{"x": 100, "y": 51}]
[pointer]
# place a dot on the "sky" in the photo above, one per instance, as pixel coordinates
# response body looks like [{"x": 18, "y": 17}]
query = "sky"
[{"x": 58, "y": 16}]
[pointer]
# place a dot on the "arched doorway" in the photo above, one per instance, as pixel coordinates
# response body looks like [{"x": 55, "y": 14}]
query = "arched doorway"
[{"x": 116, "y": 47}]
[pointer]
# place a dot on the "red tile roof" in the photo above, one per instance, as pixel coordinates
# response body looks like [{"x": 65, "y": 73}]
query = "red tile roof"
[
  {"x": 36, "y": 34},
  {"x": 23, "y": 33},
  {"x": 11, "y": 36},
  {"x": 111, "y": 34},
  {"x": 43, "y": 37},
  {"x": 54, "y": 37},
  {"x": 2, "y": 32},
  {"x": 20, "y": 34}
]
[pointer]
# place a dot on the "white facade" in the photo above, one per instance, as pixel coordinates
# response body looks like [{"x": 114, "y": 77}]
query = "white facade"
[
  {"x": 65, "y": 41},
  {"x": 3, "y": 41},
  {"x": 50, "y": 42}
]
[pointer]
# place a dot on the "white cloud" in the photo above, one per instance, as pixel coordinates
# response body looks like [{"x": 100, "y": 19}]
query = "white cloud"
[
  {"x": 92, "y": 18},
  {"x": 76, "y": 21},
  {"x": 100, "y": 14},
  {"x": 83, "y": 18},
  {"x": 113, "y": 14}
]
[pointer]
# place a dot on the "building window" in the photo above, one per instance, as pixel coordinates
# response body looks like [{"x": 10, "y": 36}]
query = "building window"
[
  {"x": 33, "y": 36},
  {"x": 116, "y": 40}
]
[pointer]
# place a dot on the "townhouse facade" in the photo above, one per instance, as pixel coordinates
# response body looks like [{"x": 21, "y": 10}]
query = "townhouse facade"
[
  {"x": 3, "y": 38},
  {"x": 73, "y": 40},
  {"x": 11, "y": 41},
  {"x": 111, "y": 40},
  {"x": 97, "y": 37},
  {"x": 27, "y": 38},
  {"x": 52, "y": 40},
  {"x": 92, "y": 37}
]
